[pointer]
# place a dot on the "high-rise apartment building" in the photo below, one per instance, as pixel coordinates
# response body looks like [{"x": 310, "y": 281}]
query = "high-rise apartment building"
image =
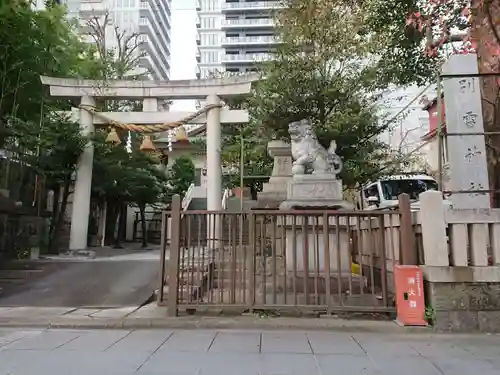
[
  {"x": 234, "y": 35},
  {"x": 151, "y": 19}
]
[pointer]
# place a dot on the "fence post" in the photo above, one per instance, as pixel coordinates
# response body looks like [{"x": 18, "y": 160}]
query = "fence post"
[
  {"x": 408, "y": 252},
  {"x": 433, "y": 224},
  {"x": 173, "y": 263},
  {"x": 163, "y": 249}
]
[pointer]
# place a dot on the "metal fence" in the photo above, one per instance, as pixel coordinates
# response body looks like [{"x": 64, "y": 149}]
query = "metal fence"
[{"x": 316, "y": 260}]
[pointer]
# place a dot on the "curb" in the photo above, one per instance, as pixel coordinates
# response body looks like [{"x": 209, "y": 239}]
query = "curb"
[{"x": 334, "y": 325}]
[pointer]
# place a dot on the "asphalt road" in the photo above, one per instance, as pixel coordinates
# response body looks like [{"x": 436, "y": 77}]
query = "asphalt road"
[{"x": 92, "y": 283}]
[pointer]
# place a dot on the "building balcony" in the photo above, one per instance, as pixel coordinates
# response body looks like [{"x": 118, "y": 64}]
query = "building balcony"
[
  {"x": 248, "y": 23},
  {"x": 198, "y": 55},
  {"x": 96, "y": 8},
  {"x": 198, "y": 5},
  {"x": 249, "y": 40},
  {"x": 198, "y": 21},
  {"x": 246, "y": 58},
  {"x": 256, "y": 6},
  {"x": 198, "y": 38},
  {"x": 198, "y": 72}
]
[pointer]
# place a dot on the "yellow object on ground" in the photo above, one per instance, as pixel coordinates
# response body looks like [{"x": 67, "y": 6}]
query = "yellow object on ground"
[{"x": 355, "y": 268}]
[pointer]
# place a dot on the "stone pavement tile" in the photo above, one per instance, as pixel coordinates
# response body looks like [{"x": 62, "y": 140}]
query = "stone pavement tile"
[
  {"x": 465, "y": 366},
  {"x": 6, "y": 363},
  {"x": 151, "y": 311},
  {"x": 288, "y": 364},
  {"x": 81, "y": 313},
  {"x": 285, "y": 342},
  {"x": 173, "y": 363},
  {"x": 47, "y": 340},
  {"x": 4, "y": 310},
  {"x": 98, "y": 340},
  {"x": 230, "y": 342},
  {"x": 334, "y": 343},
  {"x": 121, "y": 312},
  {"x": 141, "y": 341},
  {"x": 234, "y": 363},
  {"x": 486, "y": 350},
  {"x": 439, "y": 348},
  {"x": 191, "y": 341},
  {"x": 9, "y": 336},
  {"x": 8, "y": 312},
  {"x": 407, "y": 365},
  {"x": 347, "y": 365},
  {"x": 379, "y": 345},
  {"x": 79, "y": 362},
  {"x": 35, "y": 312},
  {"x": 54, "y": 370}
]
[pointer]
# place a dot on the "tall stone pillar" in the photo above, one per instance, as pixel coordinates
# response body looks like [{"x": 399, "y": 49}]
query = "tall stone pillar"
[
  {"x": 274, "y": 192},
  {"x": 214, "y": 166},
  {"x": 214, "y": 172},
  {"x": 83, "y": 183},
  {"x": 466, "y": 152}
]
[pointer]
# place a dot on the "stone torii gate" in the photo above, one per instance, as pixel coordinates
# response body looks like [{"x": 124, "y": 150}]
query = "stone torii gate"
[{"x": 210, "y": 90}]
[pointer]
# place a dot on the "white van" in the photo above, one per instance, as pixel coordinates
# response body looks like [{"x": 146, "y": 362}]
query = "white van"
[{"x": 384, "y": 193}]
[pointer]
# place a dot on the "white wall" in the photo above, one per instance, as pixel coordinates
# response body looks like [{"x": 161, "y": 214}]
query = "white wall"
[{"x": 405, "y": 133}]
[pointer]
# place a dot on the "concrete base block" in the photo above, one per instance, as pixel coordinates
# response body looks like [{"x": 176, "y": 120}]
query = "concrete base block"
[{"x": 464, "y": 306}]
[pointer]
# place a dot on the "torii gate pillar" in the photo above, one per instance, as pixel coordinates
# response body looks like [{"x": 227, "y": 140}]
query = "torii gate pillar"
[
  {"x": 83, "y": 183},
  {"x": 214, "y": 165}
]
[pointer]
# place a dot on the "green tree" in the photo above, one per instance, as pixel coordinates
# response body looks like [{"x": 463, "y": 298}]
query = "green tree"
[
  {"x": 52, "y": 149},
  {"x": 256, "y": 161},
  {"x": 421, "y": 34},
  {"x": 324, "y": 71},
  {"x": 181, "y": 175},
  {"x": 147, "y": 187},
  {"x": 116, "y": 169},
  {"x": 122, "y": 178},
  {"x": 33, "y": 43}
]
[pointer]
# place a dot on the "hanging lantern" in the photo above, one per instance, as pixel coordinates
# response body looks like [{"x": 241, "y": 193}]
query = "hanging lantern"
[
  {"x": 181, "y": 136},
  {"x": 113, "y": 137},
  {"x": 147, "y": 144}
]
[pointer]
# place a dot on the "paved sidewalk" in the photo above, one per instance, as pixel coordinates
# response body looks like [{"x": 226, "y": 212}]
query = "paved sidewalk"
[
  {"x": 210, "y": 352},
  {"x": 152, "y": 316}
]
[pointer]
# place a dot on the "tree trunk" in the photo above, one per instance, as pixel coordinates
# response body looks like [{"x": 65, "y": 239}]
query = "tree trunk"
[
  {"x": 59, "y": 219},
  {"x": 122, "y": 225},
  {"x": 144, "y": 227},
  {"x": 55, "y": 211},
  {"x": 111, "y": 219}
]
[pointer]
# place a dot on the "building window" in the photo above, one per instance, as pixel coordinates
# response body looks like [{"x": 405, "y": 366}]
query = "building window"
[
  {"x": 208, "y": 23},
  {"x": 209, "y": 39},
  {"x": 209, "y": 57},
  {"x": 210, "y": 5},
  {"x": 143, "y": 21}
]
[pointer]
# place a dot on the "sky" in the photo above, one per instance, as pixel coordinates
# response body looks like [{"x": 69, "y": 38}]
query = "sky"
[{"x": 183, "y": 47}]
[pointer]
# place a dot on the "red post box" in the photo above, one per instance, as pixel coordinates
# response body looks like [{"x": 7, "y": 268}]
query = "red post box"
[{"x": 410, "y": 301}]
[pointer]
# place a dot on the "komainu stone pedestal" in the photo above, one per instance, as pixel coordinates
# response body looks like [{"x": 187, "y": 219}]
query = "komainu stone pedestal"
[
  {"x": 310, "y": 247},
  {"x": 310, "y": 191},
  {"x": 306, "y": 243}
]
